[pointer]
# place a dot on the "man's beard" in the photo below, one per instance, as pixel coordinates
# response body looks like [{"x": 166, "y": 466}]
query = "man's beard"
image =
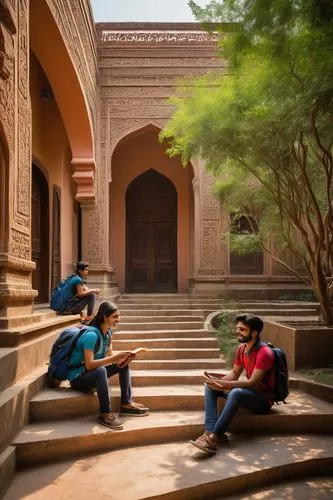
[{"x": 244, "y": 340}]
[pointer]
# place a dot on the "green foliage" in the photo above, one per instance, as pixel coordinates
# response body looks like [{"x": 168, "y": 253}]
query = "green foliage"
[
  {"x": 225, "y": 334},
  {"x": 265, "y": 127}
]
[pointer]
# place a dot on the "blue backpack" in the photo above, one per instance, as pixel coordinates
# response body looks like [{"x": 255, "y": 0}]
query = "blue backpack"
[
  {"x": 62, "y": 350},
  {"x": 60, "y": 294}
]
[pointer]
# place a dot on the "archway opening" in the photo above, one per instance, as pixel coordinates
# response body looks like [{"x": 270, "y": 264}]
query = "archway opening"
[
  {"x": 151, "y": 234},
  {"x": 39, "y": 234}
]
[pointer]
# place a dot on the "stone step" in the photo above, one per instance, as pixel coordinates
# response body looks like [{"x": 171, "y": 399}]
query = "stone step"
[
  {"x": 16, "y": 336},
  {"x": 310, "y": 487},
  {"x": 161, "y": 325},
  {"x": 189, "y": 304},
  {"x": 179, "y": 364},
  {"x": 49, "y": 441},
  {"x": 175, "y": 353},
  {"x": 142, "y": 378},
  {"x": 14, "y": 405},
  {"x": 175, "y": 470},
  {"x": 161, "y": 334},
  {"x": 7, "y": 469},
  {"x": 180, "y": 313},
  {"x": 17, "y": 321},
  {"x": 181, "y": 342},
  {"x": 18, "y": 362},
  {"x": 62, "y": 403},
  {"x": 160, "y": 318}
]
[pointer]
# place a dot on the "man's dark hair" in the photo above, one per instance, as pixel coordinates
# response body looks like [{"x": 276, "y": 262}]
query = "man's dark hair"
[
  {"x": 254, "y": 322},
  {"x": 81, "y": 266}
]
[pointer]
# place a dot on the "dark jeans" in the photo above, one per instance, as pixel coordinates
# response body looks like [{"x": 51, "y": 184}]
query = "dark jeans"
[
  {"x": 98, "y": 378},
  {"x": 77, "y": 304},
  {"x": 236, "y": 398}
]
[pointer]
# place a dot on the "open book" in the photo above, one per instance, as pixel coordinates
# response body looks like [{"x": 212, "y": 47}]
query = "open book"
[
  {"x": 133, "y": 352},
  {"x": 136, "y": 351}
]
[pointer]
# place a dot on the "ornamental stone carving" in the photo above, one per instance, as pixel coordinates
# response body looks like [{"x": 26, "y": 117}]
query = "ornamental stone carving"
[{"x": 158, "y": 37}]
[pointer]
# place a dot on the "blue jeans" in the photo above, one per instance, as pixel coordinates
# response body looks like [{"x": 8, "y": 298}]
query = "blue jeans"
[
  {"x": 77, "y": 304},
  {"x": 236, "y": 398},
  {"x": 98, "y": 378}
]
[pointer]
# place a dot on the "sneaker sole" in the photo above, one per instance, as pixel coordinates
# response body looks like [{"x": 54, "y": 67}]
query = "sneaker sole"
[
  {"x": 115, "y": 427},
  {"x": 203, "y": 448},
  {"x": 122, "y": 415}
]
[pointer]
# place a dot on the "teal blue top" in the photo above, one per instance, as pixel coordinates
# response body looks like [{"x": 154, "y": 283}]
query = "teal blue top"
[
  {"x": 73, "y": 282},
  {"x": 88, "y": 341}
]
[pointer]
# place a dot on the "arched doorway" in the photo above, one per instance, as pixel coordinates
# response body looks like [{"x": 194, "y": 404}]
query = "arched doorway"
[
  {"x": 151, "y": 234},
  {"x": 40, "y": 234}
]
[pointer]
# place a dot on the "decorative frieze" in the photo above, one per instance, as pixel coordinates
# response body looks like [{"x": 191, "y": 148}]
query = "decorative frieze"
[
  {"x": 159, "y": 37},
  {"x": 176, "y": 72},
  {"x": 159, "y": 62}
]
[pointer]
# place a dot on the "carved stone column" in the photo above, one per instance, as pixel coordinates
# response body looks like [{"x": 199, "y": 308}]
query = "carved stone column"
[
  {"x": 16, "y": 294},
  {"x": 211, "y": 253},
  {"x": 95, "y": 233}
]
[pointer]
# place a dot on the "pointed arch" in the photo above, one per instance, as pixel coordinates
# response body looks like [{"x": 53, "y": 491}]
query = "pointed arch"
[{"x": 49, "y": 47}]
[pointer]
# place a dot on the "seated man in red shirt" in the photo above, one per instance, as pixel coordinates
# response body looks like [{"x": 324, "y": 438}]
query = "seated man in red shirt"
[{"x": 255, "y": 393}]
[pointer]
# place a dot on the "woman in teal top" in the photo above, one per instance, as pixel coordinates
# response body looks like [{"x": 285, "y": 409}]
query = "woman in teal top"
[{"x": 98, "y": 366}]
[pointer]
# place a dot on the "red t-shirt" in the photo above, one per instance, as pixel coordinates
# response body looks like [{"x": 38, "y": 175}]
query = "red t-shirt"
[{"x": 262, "y": 358}]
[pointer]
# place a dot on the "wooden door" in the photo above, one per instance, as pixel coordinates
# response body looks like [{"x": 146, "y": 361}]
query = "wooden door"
[
  {"x": 40, "y": 234},
  {"x": 56, "y": 238},
  {"x": 151, "y": 209}
]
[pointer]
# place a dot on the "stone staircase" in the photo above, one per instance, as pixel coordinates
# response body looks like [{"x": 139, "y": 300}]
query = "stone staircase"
[{"x": 151, "y": 457}]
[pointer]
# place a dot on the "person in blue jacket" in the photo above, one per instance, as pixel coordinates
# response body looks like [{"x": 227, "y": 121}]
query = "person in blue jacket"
[{"x": 97, "y": 367}]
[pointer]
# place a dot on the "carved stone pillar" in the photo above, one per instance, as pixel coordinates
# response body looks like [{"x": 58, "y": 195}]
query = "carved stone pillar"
[
  {"x": 16, "y": 294},
  {"x": 95, "y": 234},
  {"x": 210, "y": 252}
]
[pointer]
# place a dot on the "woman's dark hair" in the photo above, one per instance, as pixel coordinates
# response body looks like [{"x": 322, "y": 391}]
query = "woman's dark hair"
[
  {"x": 254, "y": 322},
  {"x": 105, "y": 309}
]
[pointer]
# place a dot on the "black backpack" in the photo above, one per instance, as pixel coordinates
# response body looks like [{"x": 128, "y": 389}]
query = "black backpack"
[{"x": 281, "y": 387}]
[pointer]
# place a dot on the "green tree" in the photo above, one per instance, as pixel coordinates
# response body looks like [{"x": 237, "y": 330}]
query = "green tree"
[{"x": 265, "y": 127}]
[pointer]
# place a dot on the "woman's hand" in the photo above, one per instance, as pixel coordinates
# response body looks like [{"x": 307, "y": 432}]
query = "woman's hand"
[{"x": 123, "y": 359}]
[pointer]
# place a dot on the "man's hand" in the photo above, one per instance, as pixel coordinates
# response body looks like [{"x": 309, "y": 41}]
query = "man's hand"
[{"x": 215, "y": 386}]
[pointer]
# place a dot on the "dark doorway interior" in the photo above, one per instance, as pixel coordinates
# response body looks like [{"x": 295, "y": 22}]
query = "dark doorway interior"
[
  {"x": 40, "y": 234},
  {"x": 151, "y": 237}
]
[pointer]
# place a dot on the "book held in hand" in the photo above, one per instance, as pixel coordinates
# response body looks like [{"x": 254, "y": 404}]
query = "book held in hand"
[{"x": 136, "y": 351}]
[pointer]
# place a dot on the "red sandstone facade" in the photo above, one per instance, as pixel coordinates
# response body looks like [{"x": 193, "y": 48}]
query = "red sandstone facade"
[{"x": 82, "y": 172}]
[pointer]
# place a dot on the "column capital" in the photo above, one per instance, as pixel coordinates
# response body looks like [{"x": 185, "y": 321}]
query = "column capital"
[{"x": 84, "y": 177}]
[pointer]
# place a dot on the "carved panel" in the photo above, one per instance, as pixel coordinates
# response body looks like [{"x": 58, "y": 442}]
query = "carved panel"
[
  {"x": 138, "y": 82},
  {"x": 158, "y": 37},
  {"x": 134, "y": 92},
  {"x": 22, "y": 215},
  {"x": 158, "y": 62},
  {"x": 210, "y": 242},
  {"x": 19, "y": 244},
  {"x": 210, "y": 204},
  {"x": 141, "y": 111},
  {"x": 175, "y": 72},
  {"x": 141, "y": 51}
]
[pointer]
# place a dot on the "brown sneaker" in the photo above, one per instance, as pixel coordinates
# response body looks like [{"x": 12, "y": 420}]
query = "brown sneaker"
[
  {"x": 205, "y": 443},
  {"x": 110, "y": 420}
]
